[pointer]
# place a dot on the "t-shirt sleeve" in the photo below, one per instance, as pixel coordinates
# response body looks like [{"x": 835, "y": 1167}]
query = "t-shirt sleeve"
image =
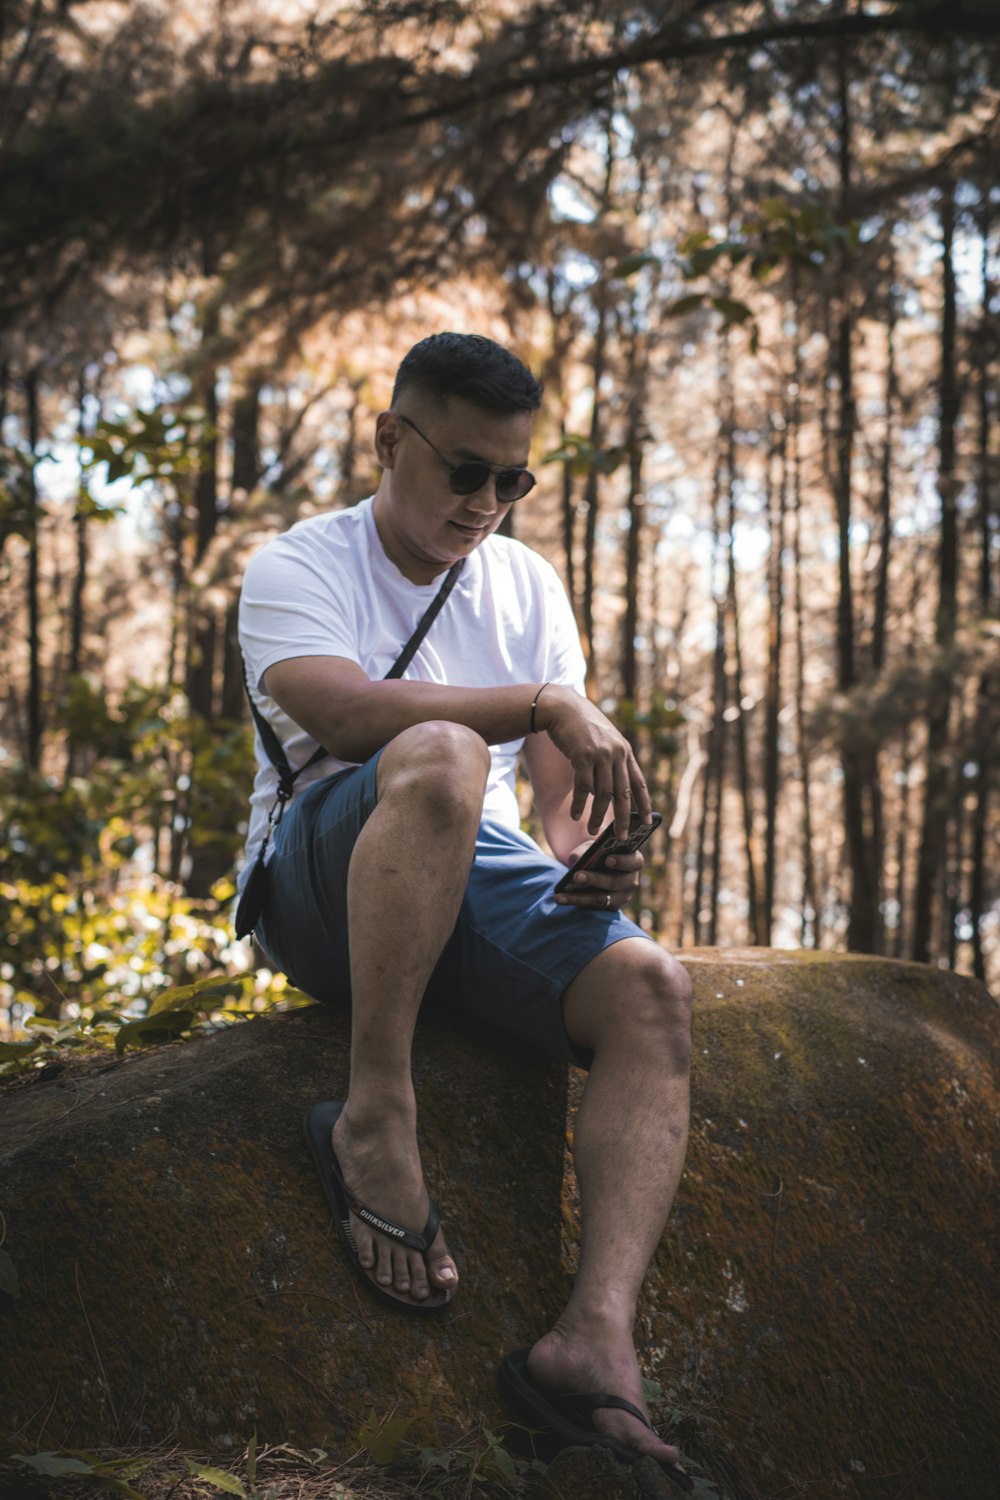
[
  {"x": 565, "y": 662},
  {"x": 288, "y": 608}
]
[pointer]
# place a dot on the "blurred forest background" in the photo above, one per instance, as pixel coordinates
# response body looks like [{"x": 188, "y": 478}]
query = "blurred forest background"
[{"x": 752, "y": 250}]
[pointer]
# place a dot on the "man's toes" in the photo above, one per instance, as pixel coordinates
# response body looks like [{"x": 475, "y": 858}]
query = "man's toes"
[
  {"x": 418, "y": 1277},
  {"x": 442, "y": 1270},
  {"x": 385, "y": 1271},
  {"x": 401, "y": 1277}
]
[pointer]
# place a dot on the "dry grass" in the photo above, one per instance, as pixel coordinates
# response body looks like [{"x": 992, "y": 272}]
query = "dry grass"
[{"x": 276, "y": 1473}]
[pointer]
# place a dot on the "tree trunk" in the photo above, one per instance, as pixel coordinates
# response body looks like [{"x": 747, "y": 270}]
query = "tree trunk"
[
  {"x": 811, "y": 916},
  {"x": 568, "y": 527},
  {"x": 987, "y": 727},
  {"x": 77, "y": 604},
  {"x": 776, "y": 507},
  {"x": 937, "y": 780},
  {"x": 591, "y": 492},
  {"x": 711, "y": 825},
  {"x": 74, "y": 662},
  {"x": 246, "y": 439},
  {"x": 859, "y": 767},
  {"x": 987, "y": 732},
  {"x": 634, "y": 507},
  {"x": 33, "y": 585},
  {"x": 736, "y": 698},
  {"x": 881, "y": 600}
]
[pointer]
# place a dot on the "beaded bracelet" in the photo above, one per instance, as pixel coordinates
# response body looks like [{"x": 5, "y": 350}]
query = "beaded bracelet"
[{"x": 532, "y": 729}]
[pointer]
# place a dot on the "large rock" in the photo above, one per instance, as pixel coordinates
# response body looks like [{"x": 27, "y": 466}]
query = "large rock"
[{"x": 821, "y": 1313}]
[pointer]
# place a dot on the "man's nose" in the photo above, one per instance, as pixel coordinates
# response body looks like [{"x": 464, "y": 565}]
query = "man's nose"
[{"x": 484, "y": 500}]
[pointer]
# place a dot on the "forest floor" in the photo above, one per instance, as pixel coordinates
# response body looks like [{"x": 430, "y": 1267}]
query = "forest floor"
[{"x": 280, "y": 1474}]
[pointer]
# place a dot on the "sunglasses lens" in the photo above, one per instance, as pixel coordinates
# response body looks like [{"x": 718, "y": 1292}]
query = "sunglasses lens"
[
  {"x": 514, "y": 484},
  {"x": 468, "y": 478}
]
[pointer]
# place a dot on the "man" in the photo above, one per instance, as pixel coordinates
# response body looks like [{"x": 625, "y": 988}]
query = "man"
[{"x": 408, "y": 824}]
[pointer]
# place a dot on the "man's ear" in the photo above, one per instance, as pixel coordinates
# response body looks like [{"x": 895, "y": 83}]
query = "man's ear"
[{"x": 388, "y": 431}]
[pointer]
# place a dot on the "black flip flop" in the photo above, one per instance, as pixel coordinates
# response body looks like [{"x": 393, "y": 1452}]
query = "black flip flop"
[
  {"x": 319, "y": 1123},
  {"x": 558, "y": 1421}
]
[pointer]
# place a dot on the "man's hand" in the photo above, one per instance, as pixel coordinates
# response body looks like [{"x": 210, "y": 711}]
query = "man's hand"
[
  {"x": 604, "y": 766},
  {"x": 604, "y": 890}
]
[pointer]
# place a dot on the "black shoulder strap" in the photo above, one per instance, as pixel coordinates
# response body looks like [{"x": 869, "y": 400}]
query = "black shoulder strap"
[
  {"x": 272, "y": 745},
  {"x": 425, "y": 622}
]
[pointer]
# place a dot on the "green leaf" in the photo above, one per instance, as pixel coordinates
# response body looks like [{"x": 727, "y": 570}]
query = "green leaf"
[
  {"x": 53, "y": 1465},
  {"x": 383, "y": 1440},
  {"x": 560, "y": 456},
  {"x": 89, "y": 509},
  {"x": 733, "y": 312},
  {"x": 8, "y": 1276},
  {"x": 695, "y": 241},
  {"x": 630, "y": 264},
  {"x": 684, "y": 305},
  {"x": 178, "y": 994},
  {"x": 704, "y": 259},
  {"x": 503, "y": 1460},
  {"x": 148, "y": 1032},
  {"x": 228, "y": 1483},
  {"x": 10, "y": 1051},
  {"x": 762, "y": 265},
  {"x": 435, "y": 1458}
]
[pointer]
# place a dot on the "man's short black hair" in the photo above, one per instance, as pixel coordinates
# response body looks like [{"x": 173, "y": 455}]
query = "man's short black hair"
[{"x": 470, "y": 366}]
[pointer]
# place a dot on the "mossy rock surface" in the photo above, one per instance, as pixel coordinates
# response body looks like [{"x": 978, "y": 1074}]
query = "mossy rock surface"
[
  {"x": 180, "y": 1277},
  {"x": 824, "y": 1304},
  {"x": 821, "y": 1315}
]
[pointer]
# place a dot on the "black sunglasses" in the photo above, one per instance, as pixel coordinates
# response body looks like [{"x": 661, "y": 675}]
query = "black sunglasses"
[{"x": 467, "y": 478}]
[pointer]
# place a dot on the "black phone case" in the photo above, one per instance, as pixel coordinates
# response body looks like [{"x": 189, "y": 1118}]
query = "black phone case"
[{"x": 606, "y": 845}]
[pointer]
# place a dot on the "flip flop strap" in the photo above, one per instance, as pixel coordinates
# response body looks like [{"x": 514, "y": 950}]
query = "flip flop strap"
[
  {"x": 584, "y": 1405},
  {"x": 388, "y": 1227}
]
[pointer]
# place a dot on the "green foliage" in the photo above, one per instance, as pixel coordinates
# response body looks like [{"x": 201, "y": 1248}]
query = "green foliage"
[
  {"x": 584, "y": 457},
  {"x": 218, "y": 1479},
  {"x": 98, "y": 947},
  {"x": 481, "y": 1459},
  {"x": 165, "y": 443},
  {"x": 102, "y": 1474},
  {"x": 658, "y": 724},
  {"x": 382, "y": 1438},
  {"x": 778, "y": 236},
  {"x": 16, "y": 510}
]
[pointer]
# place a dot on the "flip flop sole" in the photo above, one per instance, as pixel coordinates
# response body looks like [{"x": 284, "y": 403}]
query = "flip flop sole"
[
  {"x": 318, "y": 1127},
  {"x": 549, "y": 1431}
]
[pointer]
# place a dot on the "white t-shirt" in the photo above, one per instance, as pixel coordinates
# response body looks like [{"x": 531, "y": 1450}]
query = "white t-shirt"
[{"x": 327, "y": 588}]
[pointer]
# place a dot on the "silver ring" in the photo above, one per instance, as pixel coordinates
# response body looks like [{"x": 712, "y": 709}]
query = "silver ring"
[{"x": 607, "y": 899}]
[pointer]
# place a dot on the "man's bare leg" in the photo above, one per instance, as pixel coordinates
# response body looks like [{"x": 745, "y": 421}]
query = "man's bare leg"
[
  {"x": 631, "y": 1007},
  {"x": 406, "y": 882}
]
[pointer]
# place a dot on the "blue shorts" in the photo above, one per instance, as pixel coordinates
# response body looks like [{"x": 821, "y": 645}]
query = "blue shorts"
[{"x": 511, "y": 956}]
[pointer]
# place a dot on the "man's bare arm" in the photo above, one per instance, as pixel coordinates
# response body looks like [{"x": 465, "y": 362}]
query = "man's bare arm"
[
  {"x": 342, "y": 708},
  {"x": 335, "y": 702}
]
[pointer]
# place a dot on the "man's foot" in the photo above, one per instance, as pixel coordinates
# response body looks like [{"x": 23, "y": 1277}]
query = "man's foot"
[
  {"x": 380, "y": 1164},
  {"x": 602, "y": 1361}
]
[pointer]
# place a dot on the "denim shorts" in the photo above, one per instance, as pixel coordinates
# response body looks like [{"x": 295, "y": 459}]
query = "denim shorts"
[{"x": 513, "y": 951}]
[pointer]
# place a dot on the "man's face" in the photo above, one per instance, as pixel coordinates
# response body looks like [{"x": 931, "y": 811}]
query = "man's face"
[{"x": 424, "y": 527}]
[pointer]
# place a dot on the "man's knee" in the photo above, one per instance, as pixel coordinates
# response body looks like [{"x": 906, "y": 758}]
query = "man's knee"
[
  {"x": 437, "y": 762},
  {"x": 652, "y": 1000}
]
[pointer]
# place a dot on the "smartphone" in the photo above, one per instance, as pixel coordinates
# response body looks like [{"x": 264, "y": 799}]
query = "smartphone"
[{"x": 606, "y": 845}]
